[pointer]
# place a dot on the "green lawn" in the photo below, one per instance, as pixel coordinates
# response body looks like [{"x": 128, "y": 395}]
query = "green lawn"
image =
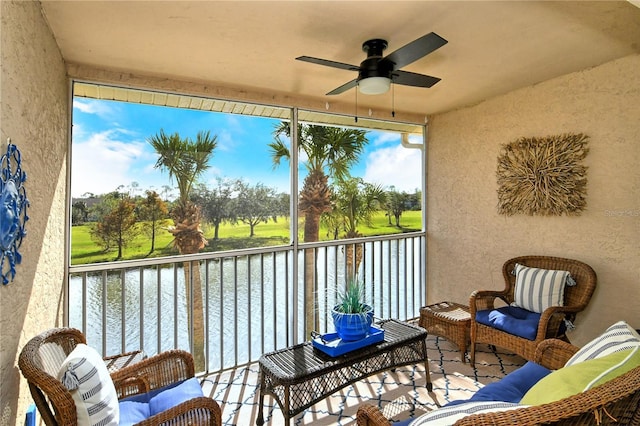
[{"x": 84, "y": 250}]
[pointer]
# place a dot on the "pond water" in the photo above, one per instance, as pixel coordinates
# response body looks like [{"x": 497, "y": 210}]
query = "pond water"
[{"x": 249, "y": 307}]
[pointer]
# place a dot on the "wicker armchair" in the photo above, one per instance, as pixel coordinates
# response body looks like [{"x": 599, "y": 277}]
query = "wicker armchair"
[
  {"x": 617, "y": 399},
  {"x": 43, "y": 355},
  {"x": 576, "y": 299}
]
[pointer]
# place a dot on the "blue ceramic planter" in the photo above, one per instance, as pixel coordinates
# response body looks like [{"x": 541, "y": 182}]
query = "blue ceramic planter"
[{"x": 351, "y": 327}]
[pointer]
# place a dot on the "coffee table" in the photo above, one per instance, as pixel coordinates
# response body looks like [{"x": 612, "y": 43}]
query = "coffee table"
[{"x": 300, "y": 376}]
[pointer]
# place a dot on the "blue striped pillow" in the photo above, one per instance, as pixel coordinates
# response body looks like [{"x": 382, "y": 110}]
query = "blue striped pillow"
[
  {"x": 538, "y": 289},
  {"x": 85, "y": 375}
]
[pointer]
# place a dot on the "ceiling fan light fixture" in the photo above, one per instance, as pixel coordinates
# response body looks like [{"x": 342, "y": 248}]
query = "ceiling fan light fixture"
[{"x": 374, "y": 85}]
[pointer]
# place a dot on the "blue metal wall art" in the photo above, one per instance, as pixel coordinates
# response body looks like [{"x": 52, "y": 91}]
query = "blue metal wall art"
[{"x": 13, "y": 211}]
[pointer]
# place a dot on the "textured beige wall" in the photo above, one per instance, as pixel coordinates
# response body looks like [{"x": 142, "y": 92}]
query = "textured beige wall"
[
  {"x": 34, "y": 97},
  {"x": 468, "y": 241}
]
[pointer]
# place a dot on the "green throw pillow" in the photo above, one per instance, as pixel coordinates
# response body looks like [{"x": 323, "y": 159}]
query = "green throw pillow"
[{"x": 581, "y": 377}]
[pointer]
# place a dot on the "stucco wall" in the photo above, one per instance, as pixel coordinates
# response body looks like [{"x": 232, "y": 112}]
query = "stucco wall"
[
  {"x": 469, "y": 241},
  {"x": 34, "y": 97}
]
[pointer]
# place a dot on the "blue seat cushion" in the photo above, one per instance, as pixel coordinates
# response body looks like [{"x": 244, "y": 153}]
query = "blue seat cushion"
[
  {"x": 511, "y": 319},
  {"x": 132, "y": 412},
  {"x": 140, "y": 407},
  {"x": 169, "y": 398},
  {"x": 513, "y": 386}
]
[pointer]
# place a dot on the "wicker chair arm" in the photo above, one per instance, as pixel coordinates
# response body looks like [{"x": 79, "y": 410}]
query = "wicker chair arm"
[
  {"x": 197, "y": 411},
  {"x": 370, "y": 415},
  {"x": 129, "y": 386},
  {"x": 551, "y": 320},
  {"x": 554, "y": 353},
  {"x": 618, "y": 398},
  {"x": 485, "y": 299},
  {"x": 160, "y": 370},
  {"x": 65, "y": 407},
  {"x": 559, "y": 309}
]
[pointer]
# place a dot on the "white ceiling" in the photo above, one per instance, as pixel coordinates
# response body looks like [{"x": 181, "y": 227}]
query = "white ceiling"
[{"x": 493, "y": 47}]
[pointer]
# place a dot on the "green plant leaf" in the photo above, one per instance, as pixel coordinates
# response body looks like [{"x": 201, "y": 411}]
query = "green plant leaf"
[{"x": 351, "y": 301}]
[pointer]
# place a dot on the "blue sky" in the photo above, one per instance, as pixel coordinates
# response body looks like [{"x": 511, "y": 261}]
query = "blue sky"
[{"x": 110, "y": 149}]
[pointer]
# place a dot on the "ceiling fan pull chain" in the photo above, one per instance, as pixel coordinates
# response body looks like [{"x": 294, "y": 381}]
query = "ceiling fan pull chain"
[
  {"x": 393, "y": 99},
  {"x": 356, "y": 114}
]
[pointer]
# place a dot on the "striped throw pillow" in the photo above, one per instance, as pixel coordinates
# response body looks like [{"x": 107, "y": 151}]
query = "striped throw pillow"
[
  {"x": 619, "y": 337},
  {"x": 538, "y": 289},
  {"x": 448, "y": 415},
  {"x": 85, "y": 375}
]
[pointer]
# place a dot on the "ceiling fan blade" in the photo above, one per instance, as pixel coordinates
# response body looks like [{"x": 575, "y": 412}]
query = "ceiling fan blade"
[
  {"x": 328, "y": 63},
  {"x": 412, "y": 79},
  {"x": 415, "y": 50},
  {"x": 344, "y": 87}
]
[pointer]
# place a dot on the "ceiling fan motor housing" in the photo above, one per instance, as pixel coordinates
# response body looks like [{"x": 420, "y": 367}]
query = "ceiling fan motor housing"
[
  {"x": 374, "y": 66},
  {"x": 374, "y": 47}
]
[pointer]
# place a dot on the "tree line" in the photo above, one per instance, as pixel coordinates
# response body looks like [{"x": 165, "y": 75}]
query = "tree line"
[{"x": 118, "y": 217}]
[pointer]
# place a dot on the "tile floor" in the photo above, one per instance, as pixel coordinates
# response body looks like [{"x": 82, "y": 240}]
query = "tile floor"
[{"x": 398, "y": 394}]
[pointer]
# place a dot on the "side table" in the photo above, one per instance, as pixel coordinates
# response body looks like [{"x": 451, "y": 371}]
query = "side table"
[
  {"x": 116, "y": 362},
  {"x": 449, "y": 320}
]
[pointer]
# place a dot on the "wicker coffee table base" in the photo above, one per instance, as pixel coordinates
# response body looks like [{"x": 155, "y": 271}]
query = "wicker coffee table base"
[{"x": 300, "y": 376}]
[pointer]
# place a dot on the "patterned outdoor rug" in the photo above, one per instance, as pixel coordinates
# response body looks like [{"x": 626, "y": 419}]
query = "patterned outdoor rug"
[{"x": 400, "y": 394}]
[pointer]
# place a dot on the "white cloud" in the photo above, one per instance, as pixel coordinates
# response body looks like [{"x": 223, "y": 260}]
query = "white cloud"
[
  {"x": 384, "y": 138},
  {"x": 94, "y": 106},
  {"x": 78, "y": 131},
  {"x": 226, "y": 141},
  {"x": 233, "y": 123},
  {"x": 104, "y": 162},
  {"x": 397, "y": 166}
]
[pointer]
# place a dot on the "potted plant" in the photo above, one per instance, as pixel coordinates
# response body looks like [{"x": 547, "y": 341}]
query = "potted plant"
[{"x": 352, "y": 317}]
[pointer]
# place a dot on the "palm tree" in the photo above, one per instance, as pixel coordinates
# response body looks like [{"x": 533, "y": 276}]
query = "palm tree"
[
  {"x": 355, "y": 202},
  {"x": 331, "y": 150},
  {"x": 185, "y": 160}
]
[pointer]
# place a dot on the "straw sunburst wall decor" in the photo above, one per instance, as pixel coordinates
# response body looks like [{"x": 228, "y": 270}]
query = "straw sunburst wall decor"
[{"x": 543, "y": 176}]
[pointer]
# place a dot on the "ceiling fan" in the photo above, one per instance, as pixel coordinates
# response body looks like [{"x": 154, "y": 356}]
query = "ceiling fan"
[{"x": 376, "y": 73}]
